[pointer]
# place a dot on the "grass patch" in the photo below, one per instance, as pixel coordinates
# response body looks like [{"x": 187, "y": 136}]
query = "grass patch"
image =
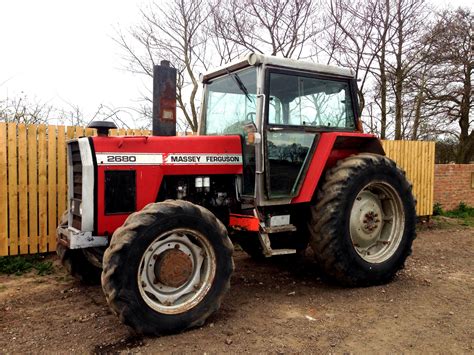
[
  {"x": 19, "y": 265},
  {"x": 463, "y": 212}
]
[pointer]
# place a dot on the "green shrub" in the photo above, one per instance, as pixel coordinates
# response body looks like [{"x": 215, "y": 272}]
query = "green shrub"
[
  {"x": 19, "y": 265},
  {"x": 437, "y": 209},
  {"x": 463, "y": 207},
  {"x": 464, "y": 212}
]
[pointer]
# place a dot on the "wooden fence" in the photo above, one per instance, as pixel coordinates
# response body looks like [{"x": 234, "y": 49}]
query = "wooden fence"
[
  {"x": 33, "y": 181},
  {"x": 417, "y": 159},
  {"x": 33, "y": 184}
]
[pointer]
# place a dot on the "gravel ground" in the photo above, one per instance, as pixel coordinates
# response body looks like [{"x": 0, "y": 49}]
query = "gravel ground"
[{"x": 273, "y": 306}]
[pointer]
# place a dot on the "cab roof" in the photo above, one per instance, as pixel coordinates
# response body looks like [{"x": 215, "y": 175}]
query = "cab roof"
[{"x": 254, "y": 59}]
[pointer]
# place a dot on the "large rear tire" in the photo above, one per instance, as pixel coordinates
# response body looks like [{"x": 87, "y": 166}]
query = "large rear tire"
[
  {"x": 167, "y": 268},
  {"x": 363, "y": 223}
]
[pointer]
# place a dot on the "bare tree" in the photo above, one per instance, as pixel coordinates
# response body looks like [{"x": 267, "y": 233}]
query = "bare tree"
[
  {"x": 449, "y": 85},
  {"x": 193, "y": 35},
  {"x": 350, "y": 37},
  {"x": 384, "y": 19},
  {"x": 277, "y": 27},
  {"x": 23, "y": 109},
  {"x": 73, "y": 115},
  {"x": 410, "y": 18},
  {"x": 384, "y": 42},
  {"x": 175, "y": 32},
  {"x": 378, "y": 40}
]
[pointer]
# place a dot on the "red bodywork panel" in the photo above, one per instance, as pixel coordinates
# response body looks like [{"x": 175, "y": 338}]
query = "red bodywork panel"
[
  {"x": 244, "y": 222},
  {"x": 327, "y": 153},
  {"x": 157, "y": 157},
  {"x": 149, "y": 175}
]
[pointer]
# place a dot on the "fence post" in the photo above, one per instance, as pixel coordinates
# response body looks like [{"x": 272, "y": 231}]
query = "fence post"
[
  {"x": 23, "y": 189},
  {"x": 3, "y": 191},
  {"x": 33, "y": 187}
]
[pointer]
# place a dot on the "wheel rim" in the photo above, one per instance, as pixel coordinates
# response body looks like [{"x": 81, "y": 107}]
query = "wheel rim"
[
  {"x": 176, "y": 271},
  {"x": 377, "y": 222}
]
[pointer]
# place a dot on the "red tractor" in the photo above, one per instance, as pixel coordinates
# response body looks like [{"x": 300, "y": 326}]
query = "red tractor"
[{"x": 280, "y": 163}]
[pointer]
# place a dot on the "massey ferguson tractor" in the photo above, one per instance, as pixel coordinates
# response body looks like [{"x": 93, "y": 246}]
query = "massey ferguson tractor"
[{"x": 280, "y": 163}]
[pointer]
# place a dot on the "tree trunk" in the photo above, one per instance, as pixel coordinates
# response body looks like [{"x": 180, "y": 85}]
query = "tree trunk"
[
  {"x": 466, "y": 139},
  {"x": 399, "y": 76},
  {"x": 416, "y": 121},
  {"x": 383, "y": 73},
  {"x": 383, "y": 95},
  {"x": 418, "y": 106}
]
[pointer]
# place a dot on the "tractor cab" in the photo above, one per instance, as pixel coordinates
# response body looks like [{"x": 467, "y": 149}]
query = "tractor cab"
[{"x": 280, "y": 107}]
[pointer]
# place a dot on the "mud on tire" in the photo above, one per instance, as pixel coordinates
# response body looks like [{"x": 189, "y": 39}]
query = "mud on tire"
[
  {"x": 140, "y": 306},
  {"x": 354, "y": 203}
]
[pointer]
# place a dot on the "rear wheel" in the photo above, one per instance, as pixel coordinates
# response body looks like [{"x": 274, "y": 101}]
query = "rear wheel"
[
  {"x": 363, "y": 223},
  {"x": 167, "y": 268}
]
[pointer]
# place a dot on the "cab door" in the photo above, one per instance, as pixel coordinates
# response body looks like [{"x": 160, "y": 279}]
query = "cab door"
[
  {"x": 299, "y": 106},
  {"x": 286, "y": 159}
]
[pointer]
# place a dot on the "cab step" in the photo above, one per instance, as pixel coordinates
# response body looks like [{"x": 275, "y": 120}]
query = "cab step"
[
  {"x": 266, "y": 243},
  {"x": 279, "y": 229},
  {"x": 283, "y": 251}
]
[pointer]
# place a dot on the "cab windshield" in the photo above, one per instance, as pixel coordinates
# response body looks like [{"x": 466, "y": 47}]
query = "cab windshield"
[{"x": 230, "y": 103}]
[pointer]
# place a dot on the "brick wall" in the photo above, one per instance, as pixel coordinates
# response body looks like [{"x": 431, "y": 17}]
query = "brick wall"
[{"x": 452, "y": 185}]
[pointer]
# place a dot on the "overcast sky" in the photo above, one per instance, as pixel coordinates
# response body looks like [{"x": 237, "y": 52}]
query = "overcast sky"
[{"x": 62, "y": 51}]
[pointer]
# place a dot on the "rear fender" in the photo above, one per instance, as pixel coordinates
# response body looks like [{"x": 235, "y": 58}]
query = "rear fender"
[{"x": 332, "y": 147}]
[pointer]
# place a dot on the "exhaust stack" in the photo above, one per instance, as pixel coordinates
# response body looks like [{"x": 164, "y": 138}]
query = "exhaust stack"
[{"x": 164, "y": 99}]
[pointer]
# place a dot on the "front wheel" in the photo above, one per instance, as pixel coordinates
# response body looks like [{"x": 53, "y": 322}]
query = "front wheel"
[
  {"x": 363, "y": 223},
  {"x": 167, "y": 268}
]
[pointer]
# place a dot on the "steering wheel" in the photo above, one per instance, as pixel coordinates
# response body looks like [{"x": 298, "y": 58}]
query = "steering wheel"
[{"x": 250, "y": 116}]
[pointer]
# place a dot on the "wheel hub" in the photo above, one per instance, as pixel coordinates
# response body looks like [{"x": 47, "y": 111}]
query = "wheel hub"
[
  {"x": 370, "y": 222},
  {"x": 366, "y": 221},
  {"x": 173, "y": 267},
  {"x": 377, "y": 222},
  {"x": 176, "y": 270}
]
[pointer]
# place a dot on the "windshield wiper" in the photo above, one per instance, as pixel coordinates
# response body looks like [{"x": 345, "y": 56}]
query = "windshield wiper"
[{"x": 240, "y": 84}]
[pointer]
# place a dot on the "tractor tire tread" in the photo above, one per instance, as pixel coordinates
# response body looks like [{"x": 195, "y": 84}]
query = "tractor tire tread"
[
  {"x": 323, "y": 225},
  {"x": 124, "y": 236}
]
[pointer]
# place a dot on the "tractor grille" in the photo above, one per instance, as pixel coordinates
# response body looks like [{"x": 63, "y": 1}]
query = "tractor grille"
[{"x": 76, "y": 197}]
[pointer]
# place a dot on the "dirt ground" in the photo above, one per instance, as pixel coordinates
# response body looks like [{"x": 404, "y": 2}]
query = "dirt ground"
[{"x": 273, "y": 306}]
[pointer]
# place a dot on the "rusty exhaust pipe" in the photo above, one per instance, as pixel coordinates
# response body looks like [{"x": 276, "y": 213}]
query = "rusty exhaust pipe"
[{"x": 164, "y": 99}]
